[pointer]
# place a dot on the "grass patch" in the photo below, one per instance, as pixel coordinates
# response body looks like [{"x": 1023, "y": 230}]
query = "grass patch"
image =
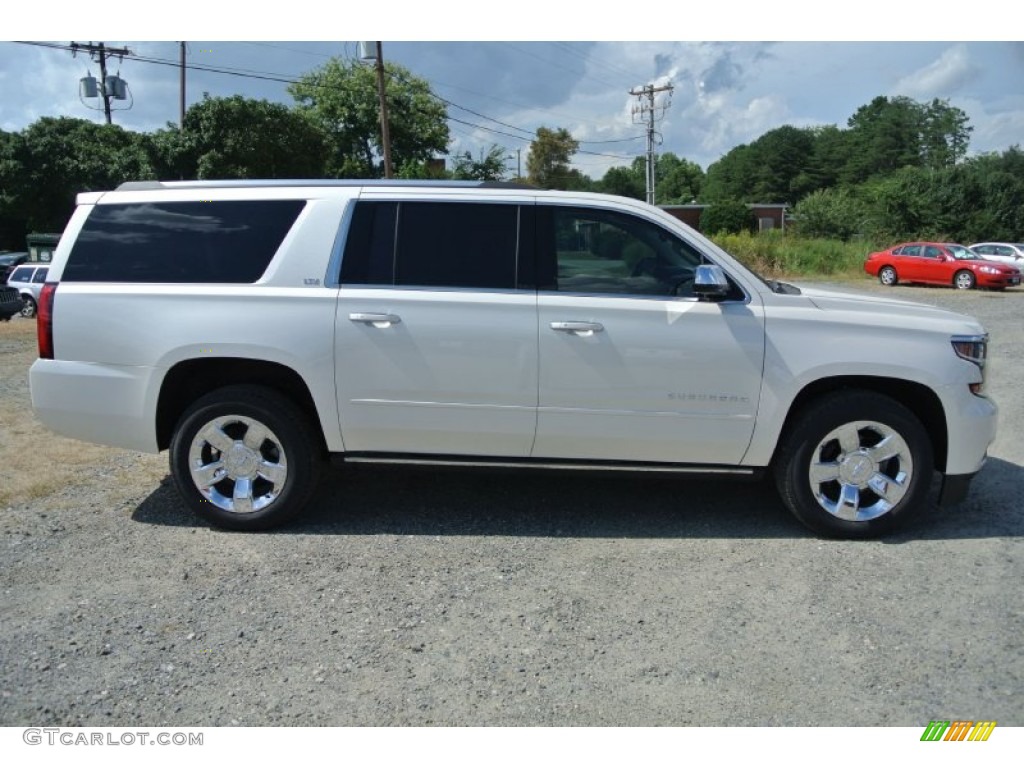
[{"x": 773, "y": 254}]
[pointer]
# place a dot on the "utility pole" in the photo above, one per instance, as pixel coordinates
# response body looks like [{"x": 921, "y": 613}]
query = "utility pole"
[
  {"x": 181, "y": 103},
  {"x": 100, "y": 53},
  {"x": 646, "y": 112},
  {"x": 385, "y": 130}
]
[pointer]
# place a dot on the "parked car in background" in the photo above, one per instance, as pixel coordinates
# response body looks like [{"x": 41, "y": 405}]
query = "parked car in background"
[
  {"x": 939, "y": 264},
  {"x": 29, "y": 279},
  {"x": 10, "y": 302},
  {"x": 1012, "y": 253},
  {"x": 8, "y": 261}
]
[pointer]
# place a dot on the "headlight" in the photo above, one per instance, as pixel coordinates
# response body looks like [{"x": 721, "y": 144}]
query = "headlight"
[
  {"x": 989, "y": 270},
  {"x": 973, "y": 349}
]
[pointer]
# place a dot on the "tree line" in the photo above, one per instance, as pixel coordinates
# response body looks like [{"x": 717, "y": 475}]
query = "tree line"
[{"x": 897, "y": 170}]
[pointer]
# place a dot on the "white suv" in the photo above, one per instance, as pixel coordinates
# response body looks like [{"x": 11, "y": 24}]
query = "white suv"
[{"x": 254, "y": 328}]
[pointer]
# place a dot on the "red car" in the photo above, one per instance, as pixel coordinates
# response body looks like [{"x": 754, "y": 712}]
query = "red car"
[{"x": 939, "y": 263}]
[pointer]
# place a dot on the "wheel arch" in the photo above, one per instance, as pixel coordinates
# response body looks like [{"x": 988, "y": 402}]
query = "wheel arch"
[
  {"x": 916, "y": 397},
  {"x": 189, "y": 380}
]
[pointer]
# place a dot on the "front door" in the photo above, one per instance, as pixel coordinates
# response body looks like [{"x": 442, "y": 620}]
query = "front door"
[{"x": 632, "y": 366}]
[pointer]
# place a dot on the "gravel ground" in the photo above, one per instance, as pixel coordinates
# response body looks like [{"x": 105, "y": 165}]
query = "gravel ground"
[{"x": 414, "y": 597}]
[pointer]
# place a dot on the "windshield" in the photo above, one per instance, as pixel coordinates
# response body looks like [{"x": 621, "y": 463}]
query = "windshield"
[{"x": 960, "y": 251}]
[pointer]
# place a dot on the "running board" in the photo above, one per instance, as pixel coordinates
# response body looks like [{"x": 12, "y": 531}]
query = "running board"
[{"x": 560, "y": 465}]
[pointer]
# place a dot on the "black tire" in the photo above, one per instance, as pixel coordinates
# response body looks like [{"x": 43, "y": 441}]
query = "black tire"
[
  {"x": 257, "y": 485},
  {"x": 28, "y": 308},
  {"x": 850, "y": 505},
  {"x": 887, "y": 276},
  {"x": 964, "y": 280}
]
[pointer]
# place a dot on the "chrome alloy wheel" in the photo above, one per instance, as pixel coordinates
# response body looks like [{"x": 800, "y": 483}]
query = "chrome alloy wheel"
[
  {"x": 237, "y": 464},
  {"x": 860, "y": 470}
]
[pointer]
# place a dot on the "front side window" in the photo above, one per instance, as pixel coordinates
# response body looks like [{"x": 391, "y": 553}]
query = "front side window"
[
  {"x": 911, "y": 250},
  {"x": 598, "y": 251}
]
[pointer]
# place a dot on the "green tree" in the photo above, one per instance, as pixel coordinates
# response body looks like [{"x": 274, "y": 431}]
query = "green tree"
[
  {"x": 624, "y": 181},
  {"x": 727, "y": 216},
  {"x": 731, "y": 177},
  {"x": 945, "y": 134},
  {"x": 238, "y": 138},
  {"x": 341, "y": 97},
  {"x": 830, "y": 213},
  {"x": 676, "y": 180},
  {"x": 490, "y": 166},
  {"x": 47, "y": 164},
  {"x": 547, "y": 165}
]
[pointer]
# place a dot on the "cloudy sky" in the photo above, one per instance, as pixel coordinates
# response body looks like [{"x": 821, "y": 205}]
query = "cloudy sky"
[{"x": 500, "y": 92}]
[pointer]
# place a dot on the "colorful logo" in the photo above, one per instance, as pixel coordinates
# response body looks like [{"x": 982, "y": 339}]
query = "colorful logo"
[{"x": 958, "y": 730}]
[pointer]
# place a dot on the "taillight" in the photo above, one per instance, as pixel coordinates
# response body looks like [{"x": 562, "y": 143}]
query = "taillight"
[{"x": 44, "y": 320}]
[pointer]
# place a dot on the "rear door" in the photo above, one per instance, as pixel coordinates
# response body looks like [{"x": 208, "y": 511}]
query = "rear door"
[{"x": 436, "y": 331}]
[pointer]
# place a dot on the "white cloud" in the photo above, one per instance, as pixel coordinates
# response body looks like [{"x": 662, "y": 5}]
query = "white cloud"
[{"x": 953, "y": 70}]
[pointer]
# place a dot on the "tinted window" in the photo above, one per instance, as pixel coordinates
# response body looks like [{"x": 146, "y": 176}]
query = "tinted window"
[
  {"x": 912, "y": 250},
  {"x": 40, "y": 276},
  {"x": 21, "y": 274},
  {"x": 466, "y": 245},
  {"x": 369, "y": 257},
  {"x": 449, "y": 245},
  {"x": 605, "y": 252},
  {"x": 932, "y": 252},
  {"x": 193, "y": 242}
]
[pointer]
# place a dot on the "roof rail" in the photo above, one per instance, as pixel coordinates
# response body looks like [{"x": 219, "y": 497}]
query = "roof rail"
[{"x": 142, "y": 186}]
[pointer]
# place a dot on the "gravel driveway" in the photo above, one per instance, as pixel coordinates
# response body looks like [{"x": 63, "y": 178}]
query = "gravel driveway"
[{"x": 414, "y": 597}]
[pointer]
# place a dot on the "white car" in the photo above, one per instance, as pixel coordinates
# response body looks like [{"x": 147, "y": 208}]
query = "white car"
[
  {"x": 254, "y": 328},
  {"x": 1012, "y": 253},
  {"x": 28, "y": 279}
]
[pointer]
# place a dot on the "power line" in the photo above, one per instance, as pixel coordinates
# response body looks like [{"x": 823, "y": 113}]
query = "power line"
[{"x": 292, "y": 80}]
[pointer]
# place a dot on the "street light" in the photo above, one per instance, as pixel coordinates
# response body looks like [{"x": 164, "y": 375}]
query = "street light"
[{"x": 370, "y": 51}]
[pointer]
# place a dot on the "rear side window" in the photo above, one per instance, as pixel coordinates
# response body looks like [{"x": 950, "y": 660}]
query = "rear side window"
[
  {"x": 229, "y": 241},
  {"x": 444, "y": 245}
]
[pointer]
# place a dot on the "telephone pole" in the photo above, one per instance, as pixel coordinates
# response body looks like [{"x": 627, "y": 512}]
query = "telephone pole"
[
  {"x": 385, "y": 128},
  {"x": 100, "y": 52},
  {"x": 647, "y": 112},
  {"x": 181, "y": 100},
  {"x": 373, "y": 51}
]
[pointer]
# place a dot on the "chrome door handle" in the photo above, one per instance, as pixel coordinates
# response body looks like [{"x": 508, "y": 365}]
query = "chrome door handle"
[
  {"x": 577, "y": 327},
  {"x": 376, "y": 319}
]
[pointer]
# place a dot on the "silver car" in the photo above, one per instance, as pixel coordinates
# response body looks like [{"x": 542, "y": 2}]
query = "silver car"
[
  {"x": 1012, "y": 253},
  {"x": 29, "y": 279}
]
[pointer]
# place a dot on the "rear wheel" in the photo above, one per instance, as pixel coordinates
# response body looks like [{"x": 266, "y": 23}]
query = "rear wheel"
[
  {"x": 964, "y": 280},
  {"x": 887, "y": 276},
  {"x": 245, "y": 458},
  {"x": 28, "y": 308},
  {"x": 855, "y": 464}
]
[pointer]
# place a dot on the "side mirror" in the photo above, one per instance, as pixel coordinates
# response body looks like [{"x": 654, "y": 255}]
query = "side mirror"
[{"x": 710, "y": 283}]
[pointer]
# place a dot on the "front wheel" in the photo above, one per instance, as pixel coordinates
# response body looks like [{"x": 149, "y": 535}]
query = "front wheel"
[
  {"x": 855, "y": 464},
  {"x": 963, "y": 280},
  {"x": 245, "y": 458}
]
